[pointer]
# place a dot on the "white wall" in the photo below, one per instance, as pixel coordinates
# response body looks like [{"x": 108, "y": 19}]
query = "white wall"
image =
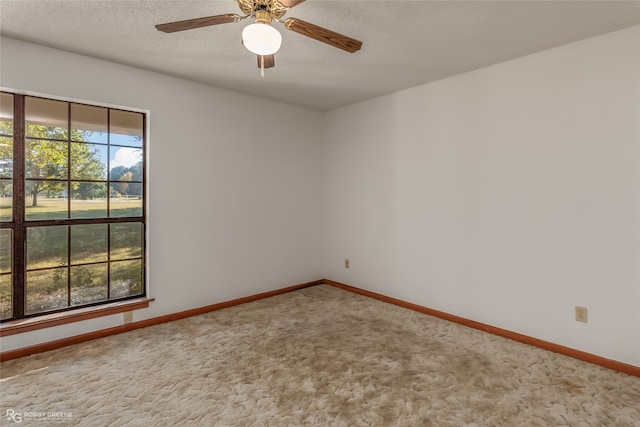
[
  {"x": 506, "y": 195},
  {"x": 233, "y": 210}
]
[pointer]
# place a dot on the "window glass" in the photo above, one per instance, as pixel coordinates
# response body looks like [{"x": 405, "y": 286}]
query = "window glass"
[
  {"x": 88, "y": 199},
  {"x": 88, "y": 123},
  {"x": 6, "y": 157},
  {"x": 46, "y": 118},
  {"x": 88, "y": 243},
  {"x": 6, "y": 114},
  {"x": 5, "y": 250},
  {"x": 5, "y": 273},
  {"x": 126, "y": 240},
  {"x": 126, "y": 128},
  {"x": 126, "y": 278},
  {"x": 46, "y": 200},
  {"x": 46, "y": 290},
  {"x": 46, "y": 159},
  {"x": 6, "y": 199},
  {"x": 89, "y": 283},
  {"x": 88, "y": 161},
  {"x": 47, "y": 246},
  {"x": 6, "y": 297},
  {"x": 125, "y": 164}
]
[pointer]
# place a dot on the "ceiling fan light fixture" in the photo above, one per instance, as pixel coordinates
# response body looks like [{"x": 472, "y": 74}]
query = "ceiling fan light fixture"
[{"x": 261, "y": 38}]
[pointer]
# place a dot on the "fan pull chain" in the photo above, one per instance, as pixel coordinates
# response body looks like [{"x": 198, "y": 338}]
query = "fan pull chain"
[{"x": 261, "y": 65}]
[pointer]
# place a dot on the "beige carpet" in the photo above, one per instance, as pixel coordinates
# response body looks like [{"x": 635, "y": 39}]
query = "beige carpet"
[{"x": 318, "y": 356}]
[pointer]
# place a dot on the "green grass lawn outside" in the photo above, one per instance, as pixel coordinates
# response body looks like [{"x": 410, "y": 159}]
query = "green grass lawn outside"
[{"x": 50, "y": 208}]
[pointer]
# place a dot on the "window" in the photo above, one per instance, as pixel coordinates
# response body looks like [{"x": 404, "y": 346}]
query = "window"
[{"x": 72, "y": 205}]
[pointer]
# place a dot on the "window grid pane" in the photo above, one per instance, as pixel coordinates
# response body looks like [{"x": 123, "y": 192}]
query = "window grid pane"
[
  {"x": 46, "y": 118},
  {"x": 6, "y": 243},
  {"x": 6, "y": 258},
  {"x": 6, "y": 114},
  {"x": 6, "y": 297},
  {"x": 46, "y": 290},
  {"x": 6, "y": 199},
  {"x": 89, "y": 283},
  {"x": 89, "y": 123}
]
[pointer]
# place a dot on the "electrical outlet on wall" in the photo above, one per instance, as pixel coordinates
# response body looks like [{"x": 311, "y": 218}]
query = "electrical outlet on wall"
[
  {"x": 346, "y": 263},
  {"x": 581, "y": 314},
  {"x": 128, "y": 317}
]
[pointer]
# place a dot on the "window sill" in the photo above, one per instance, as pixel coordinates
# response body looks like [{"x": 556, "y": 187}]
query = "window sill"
[{"x": 56, "y": 319}]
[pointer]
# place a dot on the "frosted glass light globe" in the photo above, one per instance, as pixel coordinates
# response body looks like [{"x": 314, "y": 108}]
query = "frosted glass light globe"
[{"x": 261, "y": 39}]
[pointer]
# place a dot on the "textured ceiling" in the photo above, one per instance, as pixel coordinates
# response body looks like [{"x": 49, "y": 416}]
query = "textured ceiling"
[{"x": 406, "y": 43}]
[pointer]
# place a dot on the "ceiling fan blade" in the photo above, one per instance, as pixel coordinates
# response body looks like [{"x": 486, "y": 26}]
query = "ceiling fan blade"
[
  {"x": 290, "y": 3},
  {"x": 269, "y": 61},
  {"x": 323, "y": 35},
  {"x": 190, "y": 24}
]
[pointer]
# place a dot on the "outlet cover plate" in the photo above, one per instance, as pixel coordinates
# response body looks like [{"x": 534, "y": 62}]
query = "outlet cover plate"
[
  {"x": 581, "y": 314},
  {"x": 128, "y": 317}
]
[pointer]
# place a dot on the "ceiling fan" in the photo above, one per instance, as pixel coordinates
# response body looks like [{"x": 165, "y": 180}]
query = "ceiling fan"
[{"x": 260, "y": 37}]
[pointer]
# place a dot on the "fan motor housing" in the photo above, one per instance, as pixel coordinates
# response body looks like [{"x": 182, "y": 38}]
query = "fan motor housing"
[{"x": 275, "y": 9}]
